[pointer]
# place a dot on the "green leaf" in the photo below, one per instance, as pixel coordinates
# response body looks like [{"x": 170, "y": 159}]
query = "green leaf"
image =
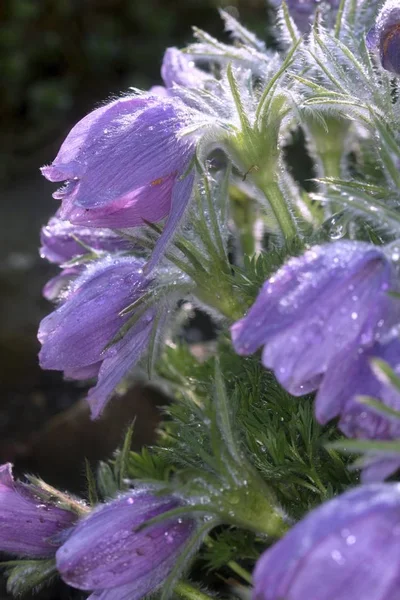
[
  {"x": 106, "y": 483},
  {"x": 122, "y": 457},
  {"x": 25, "y": 576},
  {"x": 91, "y": 484}
]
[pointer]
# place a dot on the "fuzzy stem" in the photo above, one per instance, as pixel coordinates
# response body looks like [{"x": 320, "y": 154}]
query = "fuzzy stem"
[
  {"x": 279, "y": 207},
  {"x": 236, "y": 568},
  {"x": 188, "y": 592}
]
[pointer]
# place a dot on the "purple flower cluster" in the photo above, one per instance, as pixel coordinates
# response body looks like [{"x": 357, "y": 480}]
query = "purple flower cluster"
[
  {"x": 320, "y": 319},
  {"x": 108, "y": 552},
  {"x": 125, "y": 164}
]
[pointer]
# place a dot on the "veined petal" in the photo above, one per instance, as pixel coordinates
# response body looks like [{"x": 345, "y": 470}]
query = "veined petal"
[
  {"x": 107, "y": 550},
  {"x": 61, "y": 241},
  {"x": 314, "y": 306},
  {"x": 118, "y": 361},
  {"x": 151, "y": 202},
  {"x": 86, "y": 138},
  {"x": 76, "y": 334},
  {"x": 29, "y": 525},
  {"x": 181, "y": 195},
  {"x": 344, "y": 549}
]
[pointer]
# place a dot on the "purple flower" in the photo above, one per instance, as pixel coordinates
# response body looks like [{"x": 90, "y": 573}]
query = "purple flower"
[
  {"x": 30, "y": 524},
  {"x": 108, "y": 554},
  {"x": 75, "y": 336},
  {"x": 333, "y": 297},
  {"x": 347, "y": 548},
  {"x": 178, "y": 69},
  {"x": 60, "y": 241},
  {"x": 351, "y": 375},
  {"x": 384, "y": 37},
  {"x": 126, "y": 163}
]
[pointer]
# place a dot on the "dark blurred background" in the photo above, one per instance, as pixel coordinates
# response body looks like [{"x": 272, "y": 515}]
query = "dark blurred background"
[{"x": 58, "y": 58}]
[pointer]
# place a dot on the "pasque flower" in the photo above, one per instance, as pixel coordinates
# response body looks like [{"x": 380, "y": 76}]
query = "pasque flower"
[
  {"x": 352, "y": 375},
  {"x": 347, "y": 548},
  {"x": 384, "y": 36},
  {"x": 31, "y": 525},
  {"x": 349, "y": 376},
  {"x": 62, "y": 241},
  {"x": 75, "y": 336},
  {"x": 127, "y": 163},
  {"x": 108, "y": 554},
  {"x": 332, "y": 297}
]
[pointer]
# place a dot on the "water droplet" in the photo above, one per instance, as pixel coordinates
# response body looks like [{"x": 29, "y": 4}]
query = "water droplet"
[
  {"x": 337, "y": 557},
  {"x": 354, "y": 316}
]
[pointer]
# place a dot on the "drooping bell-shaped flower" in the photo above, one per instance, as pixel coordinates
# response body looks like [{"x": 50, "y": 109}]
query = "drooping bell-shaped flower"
[
  {"x": 61, "y": 241},
  {"x": 127, "y": 163},
  {"x": 349, "y": 376},
  {"x": 75, "y": 337},
  {"x": 384, "y": 36},
  {"x": 352, "y": 375},
  {"x": 331, "y": 297},
  {"x": 347, "y": 548},
  {"x": 31, "y": 525},
  {"x": 108, "y": 554}
]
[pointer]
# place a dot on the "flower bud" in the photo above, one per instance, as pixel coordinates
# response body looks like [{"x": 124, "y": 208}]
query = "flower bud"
[
  {"x": 31, "y": 525},
  {"x": 108, "y": 551}
]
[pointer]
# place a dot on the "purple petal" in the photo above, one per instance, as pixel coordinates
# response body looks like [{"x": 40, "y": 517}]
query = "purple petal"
[
  {"x": 59, "y": 241},
  {"x": 118, "y": 362},
  {"x": 59, "y": 285},
  {"x": 344, "y": 549},
  {"x": 124, "y": 150},
  {"x": 151, "y": 202},
  {"x": 86, "y": 138},
  {"x": 314, "y": 306},
  {"x": 76, "y": 334},
  {"x": 29, "y": 526},
  {"x": 106, "y": 550},
  {"x": 181, "y": 195},
  {"x": 384, "y": 36},
  {"x": 131, "y": 591},
  {"x": 379, "y": 467},
  {"x": 350, "y": 375},
  {"x": 178, "y": 69}
]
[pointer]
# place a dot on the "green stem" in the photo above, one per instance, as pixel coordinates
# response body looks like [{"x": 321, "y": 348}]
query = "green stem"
[
  {"x": 188, "y": 592},
  {"x": 331, "y": 164},
  {"x": 280, "y": 208},
  {"x": 232, "y": 564},
  {"x": 236, "y": 568}
]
